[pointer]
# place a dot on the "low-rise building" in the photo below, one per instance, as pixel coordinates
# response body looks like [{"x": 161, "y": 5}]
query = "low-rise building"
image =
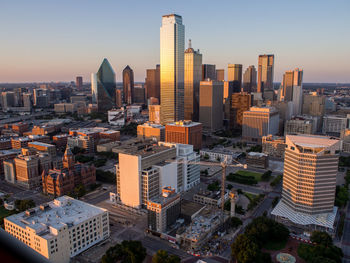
[
  {"x": 219, "y": 154},
  {"x": 209, "y": 198},
  {"x": 164, "y": 210},
  {"x": 151, "y": 131},
  {"x": 44, "y": 147},
  {"x": 258, "y": 160},
  {"x": 60, "y": 229},
  {"x": 273, "y": 146}
]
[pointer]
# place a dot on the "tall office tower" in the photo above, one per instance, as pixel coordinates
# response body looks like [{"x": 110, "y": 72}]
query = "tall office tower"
[
  {"x": 128, "y": 85},
  {"x": 220, "y": 74},
  {"x": 210, "y": 105},
  {"x": 118, "y": 98},
  {"x": 259, "y": 122},
  {"x": 309, "y": 182},
  {"x": 265, "y": 73},
  {"x": 249, "y": 79},
  {"x": 193, "y": 76},
  {"x": 153, "y": 83},
  {"x": 7, "y": 99},
  {"x": 79, "y": 82},
  {"x": 208, "y": 72},
  {"x": 184, "y": 132},
  {"x": 240, "y": 102},
  {"x": 172, "y": 48},
  {"x": 103, "y": 87},
  {"x": 234, "y": 73},
  {"x": 313, "y": 104},
  {"x": 292, "y": 89}
]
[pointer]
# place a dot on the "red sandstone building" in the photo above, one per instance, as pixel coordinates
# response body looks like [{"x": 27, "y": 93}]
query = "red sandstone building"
[
  {"x": 185, "y": 132},
  {"x": 58, "y": 182}
]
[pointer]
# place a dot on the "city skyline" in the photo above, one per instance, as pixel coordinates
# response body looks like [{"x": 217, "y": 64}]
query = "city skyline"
[{"x": 49, "y": 42}]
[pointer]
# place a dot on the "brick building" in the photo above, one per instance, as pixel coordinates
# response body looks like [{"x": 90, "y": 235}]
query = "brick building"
[
  {"x": 185, "y": 132},
  {"x": 59, "y": 182}
]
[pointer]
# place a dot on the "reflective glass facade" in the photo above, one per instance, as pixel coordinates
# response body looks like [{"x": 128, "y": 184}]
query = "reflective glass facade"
[
  {"x": 103, "y": 87},
  {"x": 172, "y": 45}
]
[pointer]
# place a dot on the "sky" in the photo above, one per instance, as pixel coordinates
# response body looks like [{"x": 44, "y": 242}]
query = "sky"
[{"x": 56, "y": 40}]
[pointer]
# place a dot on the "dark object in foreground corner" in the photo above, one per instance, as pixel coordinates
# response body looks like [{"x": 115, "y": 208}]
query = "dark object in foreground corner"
[{"x": 13, "y": 250}]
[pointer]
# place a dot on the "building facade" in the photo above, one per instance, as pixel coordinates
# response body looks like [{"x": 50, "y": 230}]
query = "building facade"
[
  {"x": 172, "y": 47},
  {"x": 249, "y": 79},
  {"x": 192, "y": 78},
  {"x": 265, "y": 73},
  {"x": 184, "y": 132},
  {"x": 259, "y": 122},
  {"x": 211, "y": 105},
  {"x": 128, "y": 85},
  {"x": 309, "y": 182},
  {"x": 103, "y": 87},
  {"x": 60, "y": 229}
]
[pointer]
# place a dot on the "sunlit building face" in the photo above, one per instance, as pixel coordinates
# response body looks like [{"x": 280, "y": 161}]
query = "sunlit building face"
[{"x": 172, "y": 45}]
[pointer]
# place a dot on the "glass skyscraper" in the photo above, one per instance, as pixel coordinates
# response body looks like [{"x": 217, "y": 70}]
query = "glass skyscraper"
[
  {"x": 128, "y": 85},
  {"x": 103, "y": 87},
  {"x": 193, "y": 76},
  {"x": 172, "y": 47}
]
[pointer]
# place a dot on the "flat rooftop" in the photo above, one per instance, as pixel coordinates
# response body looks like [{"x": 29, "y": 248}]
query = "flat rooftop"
[
  {"x": 312, "y": 141},
  {"x": 184, "y": 123},
  {"x": 41, "y": 144},
  {"x": 60, "y": 212}
]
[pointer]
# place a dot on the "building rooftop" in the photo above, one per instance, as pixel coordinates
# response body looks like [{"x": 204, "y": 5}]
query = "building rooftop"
[
  {"x": 49, "y": 218},
  {"x": 184, "y": 123},
  {"x": 41, "y": 144},
  {"x": 313, "y": 141}
]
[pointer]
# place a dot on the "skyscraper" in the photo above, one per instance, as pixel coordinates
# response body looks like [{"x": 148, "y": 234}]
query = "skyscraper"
[
  {"x": 265, "y": 73},
  {"x": 309, "y": 181},
  {"x": 128, "y": 85},
  {"x": 259, "y": 122},
  {"x": 172, "y": 47},
  {"x": 193, "y": 76},
  {"x": 208, "y": 72},
  {"x": 153, "y": 83},
  {"x": 249, "y": 79},
  {"x": 234, "y": 73},
  {"x": 79, "y": 82},
  {"x": 291, "y": 78},
  {"x": 103, "y": 87},
  {"x": 292, "y": 89},
  {"x": 240, "y": 102},
  {"x": 211, "y": 105},
  {"x": 220, "y": 74}
]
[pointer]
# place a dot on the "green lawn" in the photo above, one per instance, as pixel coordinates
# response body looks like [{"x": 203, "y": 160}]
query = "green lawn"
[
  {"x": 250, "y": 196},
  {"x": 257, "y": 176},
  {"x": 275, "y": 245}
]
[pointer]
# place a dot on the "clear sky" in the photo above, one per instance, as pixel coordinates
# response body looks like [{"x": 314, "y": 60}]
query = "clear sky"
[{"x": 55, "y": 40}]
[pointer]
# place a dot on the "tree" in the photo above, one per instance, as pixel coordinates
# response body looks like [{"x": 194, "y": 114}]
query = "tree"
[
  {"x": 275, "y": 201},
  {"x": 162, "y": 256},
  {"x": 127, "y": 251},
  {"x": 321, "y": 238},
  {"x": 25, "y": 204},
  {"x": 245, "y": 250},
  {"x": 235, "y": 222}
]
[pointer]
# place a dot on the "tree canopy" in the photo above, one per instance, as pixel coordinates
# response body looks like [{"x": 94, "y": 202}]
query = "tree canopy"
[
  {"x": 126, "y": 252},
  {"x": 162, "y": 256}
]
